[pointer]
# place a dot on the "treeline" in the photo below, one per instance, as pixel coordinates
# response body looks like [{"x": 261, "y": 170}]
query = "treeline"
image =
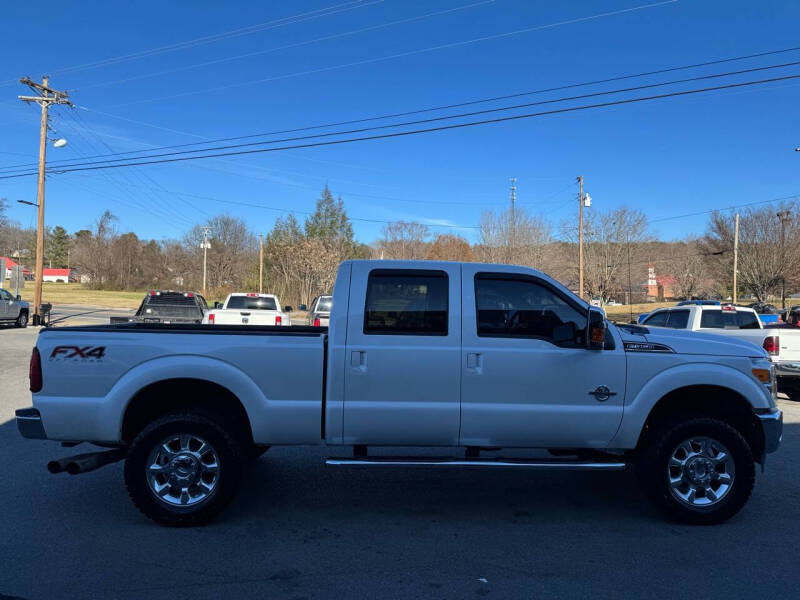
[{"x": 300, "y": 259}]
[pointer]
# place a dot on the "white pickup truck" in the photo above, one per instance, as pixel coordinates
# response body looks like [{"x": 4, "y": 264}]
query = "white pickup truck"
[
  {"x": 249, "y": 309},
  {"x": 781, "y": 343},
  {"x": 463, "y": 360}
]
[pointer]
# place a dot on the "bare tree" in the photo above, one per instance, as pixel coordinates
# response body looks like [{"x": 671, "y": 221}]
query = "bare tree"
[
  {"x": 404, "y": 240},
  {"x": 765, "y": 257},
  {"x": 688, "y": 268},
  {"x": 610, "y": 240},
  {"x": 513, "y": 236},
  {"x": 447, "y": 246},
  {"x": 233, "y": 251}
]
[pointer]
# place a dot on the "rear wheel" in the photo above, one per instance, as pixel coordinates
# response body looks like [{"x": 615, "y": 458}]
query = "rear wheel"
[
  {"x": 699, "y": 470},
  {"x": 184, "y": 468},
  {"x": 22, "y": 320}
]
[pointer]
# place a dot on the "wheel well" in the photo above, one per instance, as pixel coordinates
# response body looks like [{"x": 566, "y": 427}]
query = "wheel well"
[
  {"x": 157, "y": 399},
  {"x": 708, "y": 401}
]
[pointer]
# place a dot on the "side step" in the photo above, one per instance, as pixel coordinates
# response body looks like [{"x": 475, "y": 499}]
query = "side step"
[{"x": 502, "y": 463}]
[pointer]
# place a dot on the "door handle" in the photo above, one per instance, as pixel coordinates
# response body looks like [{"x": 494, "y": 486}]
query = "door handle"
[
  {"x": 474, "y": 361},
  {"x": 358, "y": 359}
]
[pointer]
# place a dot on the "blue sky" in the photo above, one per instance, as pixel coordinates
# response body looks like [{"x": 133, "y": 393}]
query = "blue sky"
[{"x": 666, "y": 157}]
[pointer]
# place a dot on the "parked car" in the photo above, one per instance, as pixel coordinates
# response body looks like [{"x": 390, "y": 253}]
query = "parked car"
[
  {"x": 792, "y": 316},
  {"x": 466, "y": 357},
  {"x": 13, "y": 309},
  {"x": 168, "y": 307},
  {"x": 243, "y": 308},
  {"x": 319, "y": 313},
  {"x": 783, "y": 345}
]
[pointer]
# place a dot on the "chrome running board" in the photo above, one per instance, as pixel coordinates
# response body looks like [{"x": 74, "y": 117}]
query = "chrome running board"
[{"x": 509, "y": 463}]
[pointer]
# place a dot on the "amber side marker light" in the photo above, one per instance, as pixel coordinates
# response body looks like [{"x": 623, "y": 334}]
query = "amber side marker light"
[{"x": 762, "y": 375}]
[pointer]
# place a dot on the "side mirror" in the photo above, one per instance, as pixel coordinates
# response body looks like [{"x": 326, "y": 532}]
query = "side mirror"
[
  {"x": 596, "y": 335},
  {"x": 287, "y": 309},
  {"x": 18, "y": 298},
  {"x": 302, "y": 307},
  {"x": 217, "y": 304}
]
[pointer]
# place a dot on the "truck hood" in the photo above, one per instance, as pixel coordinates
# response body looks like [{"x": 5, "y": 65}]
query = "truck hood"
[{"x": 694, "y": 342}]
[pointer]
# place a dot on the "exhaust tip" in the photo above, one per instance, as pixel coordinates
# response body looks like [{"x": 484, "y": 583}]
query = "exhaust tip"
[{"x": 54, "y": 467}]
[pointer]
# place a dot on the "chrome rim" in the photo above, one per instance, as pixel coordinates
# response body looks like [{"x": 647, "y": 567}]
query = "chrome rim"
[
  {"x": 700, "y": 472},
  {"x": 183, "y": 470}
]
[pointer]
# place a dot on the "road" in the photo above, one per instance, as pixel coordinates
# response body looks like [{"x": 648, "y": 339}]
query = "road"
[{"x": 299, "y": 530}]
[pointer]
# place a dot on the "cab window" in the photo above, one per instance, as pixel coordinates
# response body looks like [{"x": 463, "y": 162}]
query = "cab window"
[
  {"x": 658, "y": 319},
  {"x": 406, "y": 303},
  {"x": 511, "y": 306}
]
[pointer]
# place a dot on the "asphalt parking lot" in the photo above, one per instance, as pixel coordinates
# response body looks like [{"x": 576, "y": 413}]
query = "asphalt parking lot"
[{"x": 301, "y": 530}]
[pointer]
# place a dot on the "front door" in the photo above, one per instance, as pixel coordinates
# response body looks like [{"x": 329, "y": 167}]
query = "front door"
[
  {"x": 528, "y": 379},
  {"x": 402, "y": 371},
  {"x": 5, "y": 299}
]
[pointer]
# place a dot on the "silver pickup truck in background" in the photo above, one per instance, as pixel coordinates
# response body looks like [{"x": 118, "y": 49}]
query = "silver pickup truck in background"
[
  {"x": 13, "y": 309},
  {"x": 476, "y": 365}
]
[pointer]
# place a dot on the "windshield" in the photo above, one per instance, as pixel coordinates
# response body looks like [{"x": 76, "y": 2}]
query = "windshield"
[
  {"x": 252, "y": 303},
  {"x": 324, "y": 304}
]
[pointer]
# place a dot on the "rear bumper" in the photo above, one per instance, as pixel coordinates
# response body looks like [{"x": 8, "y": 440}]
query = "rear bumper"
[
  {"x": 29, "y": 423},
  {"x": 788, "y": 369},
  {"x": 772, "y": 425}
]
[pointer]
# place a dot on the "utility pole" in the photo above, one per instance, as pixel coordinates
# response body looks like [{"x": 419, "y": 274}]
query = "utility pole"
[
  {"x": 205, "y": 245},
  {"x": 784, "y": 216},
  {"x": 260, "y": 264},
  {"x": 44, "y": 97},
  {"x": 580, "y": 236},
  {"x": 735, "y": 254},
  {"x": 512, "y": 230}
]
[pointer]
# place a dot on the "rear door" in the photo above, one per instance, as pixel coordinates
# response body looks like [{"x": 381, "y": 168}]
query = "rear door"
[
  {"x": 528, "y": 378},
  {"x": 402, "y": 371}
]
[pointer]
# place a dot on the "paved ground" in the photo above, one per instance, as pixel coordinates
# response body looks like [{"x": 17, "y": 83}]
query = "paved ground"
[{"x": 299, "y": 530}]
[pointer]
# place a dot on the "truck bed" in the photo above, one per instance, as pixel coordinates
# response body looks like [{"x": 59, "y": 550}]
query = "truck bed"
[{"x": 276, "y": 372}]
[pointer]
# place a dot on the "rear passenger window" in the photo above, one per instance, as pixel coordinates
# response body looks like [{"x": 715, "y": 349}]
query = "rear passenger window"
[
  {"x": 657, "y": 320},
  {"x": 719, "y": 319},
  {"x": 747, "y": 320},
  {"x": 678, "y": 319},
  {"x": 512, "y": 307},
  {"x": 406, "y": 303}
]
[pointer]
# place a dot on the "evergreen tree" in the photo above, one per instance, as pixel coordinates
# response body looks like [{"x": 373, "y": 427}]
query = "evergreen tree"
[
  {"x": 59, "y": 248},
  {"x": 329, "y": 222}
]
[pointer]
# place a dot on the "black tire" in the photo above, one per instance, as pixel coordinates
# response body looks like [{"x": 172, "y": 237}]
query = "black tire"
[
  {"x": 653, "y": 471},
  {"x": 229, "y": 455},
  {"x": 22, "y": 320}
]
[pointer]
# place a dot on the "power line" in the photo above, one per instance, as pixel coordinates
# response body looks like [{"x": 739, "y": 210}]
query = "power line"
[
  {"x": 287, "y": 46},
  {"x": 408, "y": 113},
  {"x": 299, "y": 18},
  {"x": 442, "y": 118},
  {"x": 403, "y": 54},
  {"x": 422, "y": 131}
]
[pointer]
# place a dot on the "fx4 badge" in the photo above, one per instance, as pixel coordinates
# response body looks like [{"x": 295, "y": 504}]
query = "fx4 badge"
[{"x": 76, "y": 353}]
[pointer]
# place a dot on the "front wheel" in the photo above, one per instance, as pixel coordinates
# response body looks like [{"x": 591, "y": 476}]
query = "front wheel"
[
  {"x": 22, "y": 320},
  {"x": 184, "y": 468},
  {"x": 699, "y": 470}
]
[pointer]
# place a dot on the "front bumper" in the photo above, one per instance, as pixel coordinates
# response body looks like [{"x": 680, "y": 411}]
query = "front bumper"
[
  {"x": 772, "y": 426},
  {"x": 29, "y": 423}
]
